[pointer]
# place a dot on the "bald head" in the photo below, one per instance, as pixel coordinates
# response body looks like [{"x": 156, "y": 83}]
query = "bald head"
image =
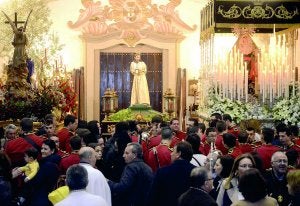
[
  {"x": 279, "y": 163},
  {"x": 87, "y": 155}
]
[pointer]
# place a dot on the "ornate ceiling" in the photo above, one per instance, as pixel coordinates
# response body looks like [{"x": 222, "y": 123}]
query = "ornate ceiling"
[{"x": 132, "y": 20}]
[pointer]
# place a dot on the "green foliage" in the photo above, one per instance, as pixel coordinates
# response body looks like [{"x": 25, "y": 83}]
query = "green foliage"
[{"x": 135, "y": 114}]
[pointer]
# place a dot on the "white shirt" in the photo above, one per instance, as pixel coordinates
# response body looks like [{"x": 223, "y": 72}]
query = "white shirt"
[
  {"x": 97, "y": 183},
  {"x": 82, "y": 198},
  {"x": 200, "y": 158}
]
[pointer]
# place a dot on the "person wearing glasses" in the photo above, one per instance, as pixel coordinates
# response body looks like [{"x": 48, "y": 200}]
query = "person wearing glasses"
[
  {"x": 229, "y": 192},
  {"x": 276, "y": 178},
  {"x": 253, "y": 187},
  {"x": 198, "y": 193}
]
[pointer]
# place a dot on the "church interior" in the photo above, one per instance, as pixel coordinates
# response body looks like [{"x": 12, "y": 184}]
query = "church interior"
[
  {"x": 196, "y": 51},
  {"x": 149, "y": 102}
]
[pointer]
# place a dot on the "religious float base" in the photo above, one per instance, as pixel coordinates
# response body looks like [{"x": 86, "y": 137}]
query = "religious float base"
[{"x": 141, "y": 113}]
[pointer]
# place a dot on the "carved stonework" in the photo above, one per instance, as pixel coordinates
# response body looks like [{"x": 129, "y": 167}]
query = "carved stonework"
[{"x": 132, "y": 20}]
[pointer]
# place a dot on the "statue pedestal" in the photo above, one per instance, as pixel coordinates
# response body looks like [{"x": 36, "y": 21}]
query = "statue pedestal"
[
  {"x": 142, "y": 113},
  {"x": 19, "y": 96}
]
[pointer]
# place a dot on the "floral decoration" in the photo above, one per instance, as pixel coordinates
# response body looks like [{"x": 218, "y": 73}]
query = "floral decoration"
[{"x": 287, "y": 110}]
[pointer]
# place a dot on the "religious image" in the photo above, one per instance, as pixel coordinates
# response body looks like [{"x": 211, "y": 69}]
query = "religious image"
[{"x": 149, "y": 103}]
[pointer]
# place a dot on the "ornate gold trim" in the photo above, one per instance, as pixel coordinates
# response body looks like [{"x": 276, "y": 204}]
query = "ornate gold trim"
[
  {"x": 206, "y": 35},
  {"x": 257, "y": 12},
  {"x": 267, "y": 26}
]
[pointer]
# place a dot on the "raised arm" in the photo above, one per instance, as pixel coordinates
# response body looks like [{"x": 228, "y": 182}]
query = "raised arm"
[
  {"x": 13, "y": 26},
  {"x": 27, "y": 20}
]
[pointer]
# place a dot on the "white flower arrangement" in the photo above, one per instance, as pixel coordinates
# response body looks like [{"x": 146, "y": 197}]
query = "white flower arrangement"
[
  {"x": 237, "y": 109},
  {"x": 287, "y": 110}
]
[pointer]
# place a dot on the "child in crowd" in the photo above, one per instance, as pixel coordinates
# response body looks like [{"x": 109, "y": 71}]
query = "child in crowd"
[{"x": 32, "y": 166}]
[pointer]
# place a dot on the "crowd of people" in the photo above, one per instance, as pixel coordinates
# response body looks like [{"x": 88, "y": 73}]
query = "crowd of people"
[{"x": 216, "y": 163}]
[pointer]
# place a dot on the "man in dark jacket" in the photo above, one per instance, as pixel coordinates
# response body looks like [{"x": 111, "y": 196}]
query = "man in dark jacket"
[
  {"x": 201, "y": 185},
  {"x": 136, "y": 179},
  {"x": 276, "y": 179},
  {"x": 171, "y": 181}
]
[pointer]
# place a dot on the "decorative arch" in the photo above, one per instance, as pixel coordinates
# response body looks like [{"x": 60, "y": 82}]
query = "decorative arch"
[{"x": 127, "y": 25}]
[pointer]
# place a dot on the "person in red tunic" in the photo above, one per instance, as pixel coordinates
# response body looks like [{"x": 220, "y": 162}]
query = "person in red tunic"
[
  {"x": 230, "y": 143},
  {"x": 221, "y": 129},
  {"x": 191, "y": 122},
  {"x": 73, "y": 158},
  {"x": 295, "y": 134},
  {"x": 10, "y": 133},
  {"x": 15, "y": 148},
  {"x": 285, "y": 137},
  {"x": 244, "y": 146},
  {"x": 211, "y": 135},
  {"x": 266, "y": 150},
  {"x": 253, "y": 138},
  {"x": 179, "y": 135},
  {"x": 160, "y": 155},
  {"x": 133, "y": 131},
  {"x": 64, "y": 134},
  {"x": 231, "y": 127},
  {"x": 60, "y": 152},
  {"x": 199, "y": 130},
  {"x": 50, "y": 129}
]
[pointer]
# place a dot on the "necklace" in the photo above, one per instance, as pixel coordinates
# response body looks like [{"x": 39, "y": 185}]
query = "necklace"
[{"x": 199, "y": 189}]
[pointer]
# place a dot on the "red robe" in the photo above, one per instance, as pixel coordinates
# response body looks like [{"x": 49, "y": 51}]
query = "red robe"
[
  {"x": 204, "y": 148},
  {"x": 233, "y": 130},
  {"x": 234, "y": 152},
  {"x": 293, "y": 146},
  {"x": 62, "y": 154},
  {"x": 246, "y": 148},
  {"x": 266, "y": 151},
  {"x": 154, "y": 141},
  {"x": 64, "y": 136},
  {"x": 134, "y": 138},
  {"x": 68, "y": 161},
  {"x": 179, "y": 137},
  {"x": 297, "y": 141},
  {"x": 162, "y": 157},
  {"x": 219, "y": 144},
  {"x": 144, "y": 145},
  {"x": 16, "y": 148}
]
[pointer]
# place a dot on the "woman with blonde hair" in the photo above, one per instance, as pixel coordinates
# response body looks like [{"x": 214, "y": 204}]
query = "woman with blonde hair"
[
  {"x": 293, "y": 180},
  {"x": 229, "y": 192}
]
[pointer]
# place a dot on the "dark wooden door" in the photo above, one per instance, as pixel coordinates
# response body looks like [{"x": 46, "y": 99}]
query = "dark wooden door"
[{"x": 115, "y": 73}]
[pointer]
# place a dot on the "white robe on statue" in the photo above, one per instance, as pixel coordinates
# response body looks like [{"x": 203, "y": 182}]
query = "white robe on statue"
[
  {"x": 97, "y": 183},
  {"x": 140, "y": 91}
]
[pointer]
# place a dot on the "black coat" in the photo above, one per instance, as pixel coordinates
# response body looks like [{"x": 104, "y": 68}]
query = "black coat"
[
  {"x": 277, "y": 188},
  {"x": 37, "y": 189},
  {"x": 295, "y": 200},
  {"x": 195, "y": 197},
  {"x": 169, "y": 183},
  {"x": 134, "y": 185}
]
